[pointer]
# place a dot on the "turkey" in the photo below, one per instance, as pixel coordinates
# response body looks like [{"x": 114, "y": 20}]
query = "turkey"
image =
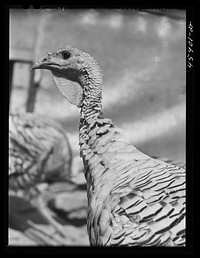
[
  {"x": 39, "y": 152},
  {"x": 133, "y": 199}
]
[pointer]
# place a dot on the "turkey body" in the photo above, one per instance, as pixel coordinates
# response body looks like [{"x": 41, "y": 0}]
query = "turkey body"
[
  {"x": 39, "y": 151},
  {"x": 133, "y": 199}
]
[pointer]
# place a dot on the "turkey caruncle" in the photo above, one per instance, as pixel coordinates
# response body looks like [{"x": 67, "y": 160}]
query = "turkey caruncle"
[{"x": 133, "y": 199}]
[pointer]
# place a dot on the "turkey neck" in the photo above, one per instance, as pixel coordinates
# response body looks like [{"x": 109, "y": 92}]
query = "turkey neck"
[
  {"x": 92, "y": 133},
  {"x": 91, "y": 108},
  {"x": 90, "y": 115}
]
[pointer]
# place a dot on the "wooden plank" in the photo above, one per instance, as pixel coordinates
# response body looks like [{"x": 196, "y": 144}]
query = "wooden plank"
[{"x": 24, "y": 55}]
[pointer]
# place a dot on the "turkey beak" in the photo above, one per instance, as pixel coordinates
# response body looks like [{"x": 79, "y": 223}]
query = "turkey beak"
[
  {"x": 36, "y": 66},
  {"x": 41, "y": 64},
  {"x": 45, "y": 63}
]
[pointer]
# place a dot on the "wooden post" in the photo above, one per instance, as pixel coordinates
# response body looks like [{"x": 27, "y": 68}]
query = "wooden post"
[
  {"x": 33, "y": 87},
  {"x": 11, "y": 65},
  {"x": 40, "y": 23}
]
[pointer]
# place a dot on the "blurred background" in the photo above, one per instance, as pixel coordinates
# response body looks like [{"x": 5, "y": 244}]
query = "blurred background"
[{"x": 143, "y": 61}]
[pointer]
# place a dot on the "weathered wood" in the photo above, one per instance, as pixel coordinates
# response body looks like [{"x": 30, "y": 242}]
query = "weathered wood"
[
  {"x": 32, "y": 87},
  {"x": 11, "y": 64},
  {"x": 32, "y": 92}
]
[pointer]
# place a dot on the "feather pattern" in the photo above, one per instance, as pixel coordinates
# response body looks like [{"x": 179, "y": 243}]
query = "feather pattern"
[
  {"x": 142, "y": 189},
  {"x": 34, "y": 140},
  {"x": 133, "y": 199}
]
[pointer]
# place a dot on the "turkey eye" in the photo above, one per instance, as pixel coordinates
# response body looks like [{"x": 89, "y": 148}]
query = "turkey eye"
[{"x": 65, "y": 55}]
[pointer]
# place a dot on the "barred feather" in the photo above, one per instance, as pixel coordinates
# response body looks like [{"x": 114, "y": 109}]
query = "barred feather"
[
  {"x": 146, "y": 192},
  {"x": 33, "y": 141}
]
